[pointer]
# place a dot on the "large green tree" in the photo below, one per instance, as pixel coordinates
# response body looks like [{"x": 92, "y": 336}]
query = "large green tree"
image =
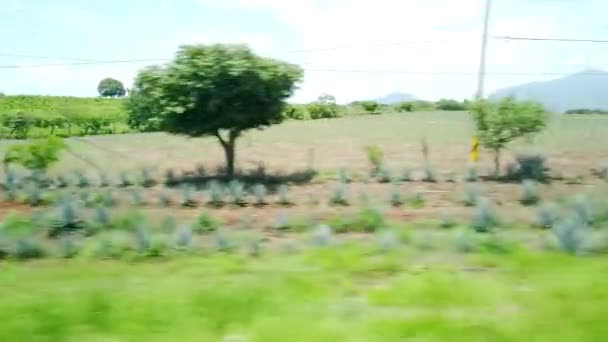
[
  {"x": 213, "y": 90},
  {"x": 498, "y": 123},
  {"x": 109, "y": 87}
]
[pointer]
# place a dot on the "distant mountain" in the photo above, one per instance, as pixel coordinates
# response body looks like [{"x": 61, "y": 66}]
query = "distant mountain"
[
  {"x": 395, "y": 98},
  {"x": 587, "y": 89}
]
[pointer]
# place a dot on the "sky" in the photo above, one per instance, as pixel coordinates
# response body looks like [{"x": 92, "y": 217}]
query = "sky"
[{"x": 337, "y": 42}]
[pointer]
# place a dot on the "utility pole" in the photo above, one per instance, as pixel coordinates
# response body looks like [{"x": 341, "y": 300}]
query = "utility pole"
[{"x": 484, "y": 45}]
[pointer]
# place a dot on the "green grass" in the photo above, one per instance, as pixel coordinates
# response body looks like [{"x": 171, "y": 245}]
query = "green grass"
[{"x": 348, "y": 293}]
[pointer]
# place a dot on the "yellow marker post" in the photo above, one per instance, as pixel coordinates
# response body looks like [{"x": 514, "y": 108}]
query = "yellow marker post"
[{"x": 474, "y": 155}]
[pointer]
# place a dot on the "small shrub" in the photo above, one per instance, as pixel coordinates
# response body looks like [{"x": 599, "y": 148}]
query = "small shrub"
[
  {"x": 237, "y": 193},
  {"x": 142, "y": 239},
  {"x": 216, "y": 194},
  {"x": 496, "y": 243},
  {"x": 528, "y": 166},
  {"x": 547, "y": 215},
  {"x": 26, "y": 249},
  {"x": 571, "y": 235},
  {"x": 371, "y": 107},
  {"x": 384, "y": 175},
  {"x": 168, "y": 225},
  {"x": 364, "y": 198},
  {"x": 281, "y": 222},
  {"x": 339, "y": 197},
  {"x": 205, "y": 223},
  {"x": 17, "y": 224},
  {"x": 322, "y": 236},
  {"x": 376, "y": 158},
  {"x": 368, "y": 220},
  {"x": 529, "y": 192},
  {"x": 484, "y": 219},
  {"x": 254, "y": 246},
  {"x": 471, "y": 195},
  {"x": 125, "y": 180},
  {"x": 188, "y": 196},
  {"x": 259, "y": 192},
  {"x": 450, "y": 177},
  {"x": 128, "y": 221},
  {"x": 396, "y": 200},
  {"x": 82, "y": 180},
  {"x": 283, "y": 197}
]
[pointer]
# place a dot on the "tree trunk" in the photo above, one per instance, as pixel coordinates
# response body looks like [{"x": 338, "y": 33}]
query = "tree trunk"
[
  {"x": 496, "y": 162},
  {"x": 229, "y": 146}
]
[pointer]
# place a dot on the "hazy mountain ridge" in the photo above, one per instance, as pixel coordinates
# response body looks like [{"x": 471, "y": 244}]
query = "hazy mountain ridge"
[
  {"x": 586, "y": 89},
  {"x": 394, "y": 98}
]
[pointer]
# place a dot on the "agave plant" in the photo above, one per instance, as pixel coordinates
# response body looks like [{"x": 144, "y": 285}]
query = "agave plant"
[
  {"x": 168, "y": 224},
  {"x": 142, "y": 239},
  {"x": 259, "y": 191},
  {"x": 34, "y": 195},
  {"x": 255, "y": 246},
  {"x": 104, "y": 180},
  {"x": 396, "y": 200},
  {"x": 10, "y": 193},
  {"x": 11, "y": 180},
  {"x": 529, "y": 192},
  {"x": 188, "y": 196},
  {"x": 28, "y": 249},
  {"x": 107, "y": 198},
  {"x": 82, "y": 180},
  {"x": 125, "y": 180},
  {"x": 170, "y": 177},
  {"x": 183, "y": 239},
  {"x": 343, "y": 176},
  {"x": 571, "y": 235},
  {"x": 472, "y": 175},
  {"x": 137, "y": 198},
  {"x": 164, "y": 198},
  {"x": 68, "y": 219},
  {"x": 147, "y": 178},
  {"x": 484, "y": 218},
  {"x": 604, "y": 171},
  {"x": 547, "y": 215},
  {"x": 417, "y": 200},
  {"x": 387, "y": 240},
  {"x": 222, "y": 242},
  {"x": 101, "y": 216},
  {"x": 407, "y": 175},
  {"x": 446, "y": 220},
  {"x": 429, "y": 175},
  {"x": 200, "y": 170},
  {"x": 67, "y": 248},
  {"x": 283, "y": 199},
  {"x": 216, "y": 194},
  {"x": 582, "y": 209},
  {"x": 384, "y": 175},
  {"x": 322, "y": 236},
  {"x": 471, "y": 195},
  {"x": 464, "y": 242},
  {"x": 62, "y": 181},
  {"x": 237, "y": 192},
  {"x": 339, "y": 197}
]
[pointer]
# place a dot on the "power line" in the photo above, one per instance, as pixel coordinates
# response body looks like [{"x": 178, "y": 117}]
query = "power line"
[
  {"x": 570, "y": 40},
  {"x": 456, "y": 73},
  {"x": 83, "y": 63},
  {"x": 19, "y": 55}
]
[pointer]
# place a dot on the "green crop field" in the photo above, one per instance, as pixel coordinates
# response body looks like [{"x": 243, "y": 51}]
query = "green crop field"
[{"x": 136, "y": 237}]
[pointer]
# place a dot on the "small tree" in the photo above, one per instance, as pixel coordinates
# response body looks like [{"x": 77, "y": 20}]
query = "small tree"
[
  {"x": 217, "y": 90},
  {"x": 109, "y": 87},
  {"x": 324, "y": 108},
  {"x": 370, "y": 106},
  {"x": 36, "y": 156},
  {"x": 498, "y": 123}
]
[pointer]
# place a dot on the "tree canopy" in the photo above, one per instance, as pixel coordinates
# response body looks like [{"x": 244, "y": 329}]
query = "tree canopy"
[
  {"x": 218, "y": 90},
  {"x": 109, "y": 87}
]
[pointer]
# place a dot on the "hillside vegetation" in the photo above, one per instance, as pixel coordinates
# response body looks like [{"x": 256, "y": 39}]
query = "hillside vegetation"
[{"x": 34, "y": 116}]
